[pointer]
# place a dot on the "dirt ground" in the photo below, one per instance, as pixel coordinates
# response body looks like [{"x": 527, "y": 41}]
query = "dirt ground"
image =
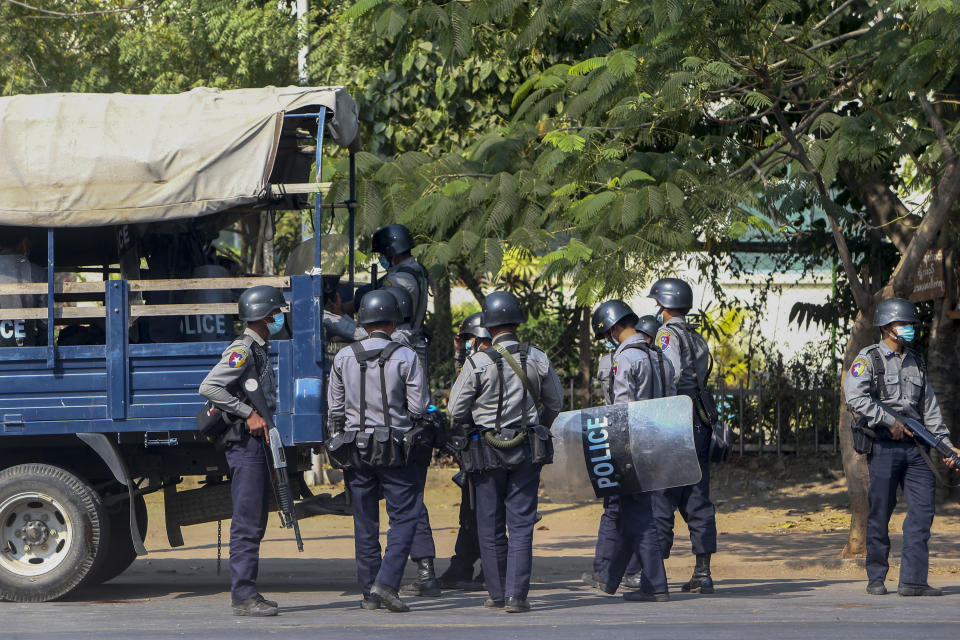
[{"x": 777, "y": 518}]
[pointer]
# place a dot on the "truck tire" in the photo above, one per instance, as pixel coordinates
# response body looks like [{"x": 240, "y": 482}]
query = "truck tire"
[
  {"x": 53, "y": 526},
  {"x": 120, "y": 554}
]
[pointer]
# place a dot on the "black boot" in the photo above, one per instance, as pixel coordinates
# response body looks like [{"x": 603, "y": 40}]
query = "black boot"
[
  {"x": 426, "y": 582},
  {"x": 700, "y": 582},
  {"x": 388, "y": 598}
]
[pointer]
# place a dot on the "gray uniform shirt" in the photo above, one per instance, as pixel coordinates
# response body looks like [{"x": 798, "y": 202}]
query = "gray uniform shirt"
[
  {"x": 477, "y": 389},
  {"x": 417, "y": 287},
  {"x": 903, "y": 393},
  {"x": 407, "y": 391},
  {"x": 234, "y": 362},
  {"x": 636, "y": 372},
  {"x": 605, "y": 377},
  {"x": 347, "y": 328},
  {"x": 688, "y": 363}
]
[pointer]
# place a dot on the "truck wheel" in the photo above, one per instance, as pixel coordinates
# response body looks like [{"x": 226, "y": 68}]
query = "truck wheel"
[
  {"x": 52, "y": 527},
  {"x": 120, "y": 554}
]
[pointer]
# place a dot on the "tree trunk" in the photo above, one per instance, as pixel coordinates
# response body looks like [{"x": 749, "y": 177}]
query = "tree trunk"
[
  {"x": 855, "y": 464},
  {"x": 441, "y": 344},
  {"x": 585, "y": 337},
  {"x": 944, "y": 349}
]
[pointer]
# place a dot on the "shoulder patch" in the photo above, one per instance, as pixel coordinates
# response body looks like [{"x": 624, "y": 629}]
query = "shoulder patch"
[
  {"x": 858, "y": 367},
  {"x": 237, "y": 357},
  {"x": 663, "y": 341},
  {"x": 614, "y": 368}
]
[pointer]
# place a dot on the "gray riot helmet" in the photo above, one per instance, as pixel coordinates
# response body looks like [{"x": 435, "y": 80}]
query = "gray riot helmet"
[
  {"x": 392, "y": 239},
  {"x": 895, "y": 310},
  {"x": 257, "y": 302},
  {"x": 648, "y": 325},
  {"x": 379, "y": 306},
  {"x": 502, "y": 308},
  {"x": 404, "y": 300},
  {"x": 610, "y": 313},
  {"x": 672, "y": 293},
  {"x": 473, "y": 326}
]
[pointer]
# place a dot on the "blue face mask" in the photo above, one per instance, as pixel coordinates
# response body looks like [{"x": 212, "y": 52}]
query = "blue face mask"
[
  {"x": 468, "y": 345},
  {"x": 384, "y": 262},
  {"x": 907, "y": 333},
  {"x": 660, "y": 316},
  {"x": 275, "y": 324},
  {"x": 608, "y": 343}
]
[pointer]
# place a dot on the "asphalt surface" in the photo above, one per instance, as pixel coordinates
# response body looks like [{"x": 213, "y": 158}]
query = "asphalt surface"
[{"x": 165, "y": 598}]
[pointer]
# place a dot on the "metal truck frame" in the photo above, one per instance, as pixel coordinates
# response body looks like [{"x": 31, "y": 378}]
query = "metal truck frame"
[{"x": 87, "y": 431}]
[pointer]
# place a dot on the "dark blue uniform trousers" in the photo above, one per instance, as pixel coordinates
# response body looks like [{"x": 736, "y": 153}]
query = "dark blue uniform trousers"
[
  {"x": 693, "y": 502},
  {"x": 466, "y": 550},
  {"x": 895, "y": 464},
  {"x": 507, "y": 500},
  {"x": 400, "y": 488},
  {"x": 423, "y": 546},
  {"x": 248, "y": 489},
  {"x": 607, "y": 535},
  {"x": 636, "y": 536}
]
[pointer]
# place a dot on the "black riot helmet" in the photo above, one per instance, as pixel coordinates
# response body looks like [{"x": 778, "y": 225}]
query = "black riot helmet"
[
  {"x": 895, "y": 310},
  {"x": 379, "y": 306},
  {"x": 672, "y": 293},
  {"x": 392, "y": 239},
  {"x": 647, "y": 325},
  {"x": 502, "y": 308},
  {"x": 610, "y": 313},
  {"x": 404, "y": 300},
  {"x": 257, "y": 302},
  {"x": 473, "y": 326}
]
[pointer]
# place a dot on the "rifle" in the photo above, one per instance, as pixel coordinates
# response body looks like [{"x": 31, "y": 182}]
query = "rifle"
[
  {"x": 936, "y": 443},
  {"x": 276, "y": 459}
]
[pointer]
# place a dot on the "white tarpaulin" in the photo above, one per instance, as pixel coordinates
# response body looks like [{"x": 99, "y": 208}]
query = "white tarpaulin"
[{"x": 75, "y": 160}]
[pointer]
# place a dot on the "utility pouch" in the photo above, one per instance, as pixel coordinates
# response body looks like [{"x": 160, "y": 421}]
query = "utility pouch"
[
  {"x": 418, "y": 446},
  {"x": 512, "y": 457},
  {"x": 541, "y": 445},
  {"x": 212, "y": 422},
  {"x": 386, "y": 448},
  {"x": 342, "y": 450},
  {"x": 863, "y": 436},
  {"x": 478, "y": 456},
  {"x": 720, "y": 442}
]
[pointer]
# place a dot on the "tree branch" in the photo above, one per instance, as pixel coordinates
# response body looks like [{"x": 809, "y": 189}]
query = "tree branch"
[
  {"x": 470, "y": 281},
  {"x": 944, "y": 197},
  {"x": 79, "y": 14},
  {"x": 937, "y": 125},
  {"x": 886, "y": 209},
  {"x": 860, "y": 293}
]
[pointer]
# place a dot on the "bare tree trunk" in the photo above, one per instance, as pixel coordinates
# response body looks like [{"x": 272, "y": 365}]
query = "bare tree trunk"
[
  {"x": 584, "y": 337},
  {"x": 441, "y": 324},
  {"x": 944, "y": 350},
  {"x": 855, "y": 464}
]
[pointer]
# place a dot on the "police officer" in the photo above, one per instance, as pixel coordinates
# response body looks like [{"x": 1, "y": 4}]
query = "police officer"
[
  {"x": 260, "y": 307},
  {"x": 16, "y": 268},
  {"x": 472, "y": 337},
  {"x": 627, "y": 529},
  {"x": 688, "y": 353},
  {"x": 498, "y": 392},
  {"x": 647, "y": 326},
  {"x": 887, "y": 383},
  {"x": 394, "y": 243},
  {"x": 377, "y": 396}
]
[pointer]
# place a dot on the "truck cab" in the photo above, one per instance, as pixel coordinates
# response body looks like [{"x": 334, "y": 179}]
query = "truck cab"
[{"x": 99, "y": 408}]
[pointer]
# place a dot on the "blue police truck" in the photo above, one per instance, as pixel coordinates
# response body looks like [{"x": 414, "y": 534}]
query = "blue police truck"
[{"x": 114, "y": 305}]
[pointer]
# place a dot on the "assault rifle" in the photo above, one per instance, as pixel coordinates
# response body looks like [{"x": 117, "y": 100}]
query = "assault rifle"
[
  {"x": 276, "y": 459},
  {"x": 923, "y": 435}
]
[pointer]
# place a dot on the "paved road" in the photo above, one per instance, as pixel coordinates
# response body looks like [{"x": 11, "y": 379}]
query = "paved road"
[{"x": 164, "y": 598}]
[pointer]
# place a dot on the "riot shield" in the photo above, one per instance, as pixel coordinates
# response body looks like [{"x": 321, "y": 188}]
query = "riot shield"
[{"x": 622, "y": 449}]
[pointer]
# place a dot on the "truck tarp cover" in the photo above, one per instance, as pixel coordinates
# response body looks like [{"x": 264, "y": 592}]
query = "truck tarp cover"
[{"x": 78, "y": 160}]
